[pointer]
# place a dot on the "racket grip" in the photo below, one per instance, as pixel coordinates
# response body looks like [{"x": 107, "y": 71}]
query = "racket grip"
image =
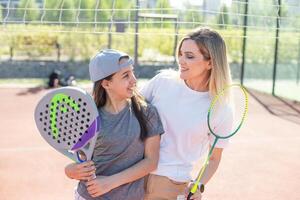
[{"x": 189, "y": 196}]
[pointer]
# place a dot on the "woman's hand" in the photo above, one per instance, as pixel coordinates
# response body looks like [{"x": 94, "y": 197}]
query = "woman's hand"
[
  {"x": 101, "y": 185},
  {"x": 196, "y": 196},
  {"x": 81, "y": 171}
]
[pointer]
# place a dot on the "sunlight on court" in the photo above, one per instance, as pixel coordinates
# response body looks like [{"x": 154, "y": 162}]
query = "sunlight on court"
[{"x": 283, "y": 88}]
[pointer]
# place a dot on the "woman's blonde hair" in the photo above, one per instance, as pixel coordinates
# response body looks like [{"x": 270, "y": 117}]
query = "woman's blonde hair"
[{"x": 213, "y": 48}]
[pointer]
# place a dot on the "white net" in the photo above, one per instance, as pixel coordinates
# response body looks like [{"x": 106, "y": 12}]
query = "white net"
[
  {"x": 157, "y": 17},
  {"x": 76, "y": 29}
]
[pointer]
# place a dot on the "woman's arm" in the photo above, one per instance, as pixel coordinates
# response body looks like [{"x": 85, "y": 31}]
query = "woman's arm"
[
  {"x": 104, "y": 184},
  {"x": 213, "y": 165},
  {"x": 211, "y": 169}
]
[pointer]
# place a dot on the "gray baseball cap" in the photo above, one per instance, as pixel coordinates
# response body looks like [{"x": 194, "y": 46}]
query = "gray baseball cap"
[{"x": 106, "y": 63}]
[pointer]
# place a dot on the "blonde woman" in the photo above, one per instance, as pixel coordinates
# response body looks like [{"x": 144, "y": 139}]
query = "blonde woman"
[{"x": 182, "y": 99}]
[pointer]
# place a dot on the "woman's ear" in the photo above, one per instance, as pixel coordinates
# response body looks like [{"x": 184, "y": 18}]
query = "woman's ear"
[
  {"x": 209, "y": 65},
  {"x": 105, "y": 84}
]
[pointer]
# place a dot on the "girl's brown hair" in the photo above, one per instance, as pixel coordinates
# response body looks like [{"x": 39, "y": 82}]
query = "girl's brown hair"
[{"x": 137, "y": 102}]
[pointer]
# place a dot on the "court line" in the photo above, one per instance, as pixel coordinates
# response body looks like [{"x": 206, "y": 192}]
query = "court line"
[{"x": 25, "y": 149}]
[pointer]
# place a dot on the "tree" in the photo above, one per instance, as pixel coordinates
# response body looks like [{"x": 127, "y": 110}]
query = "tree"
[
  {"x": 87, "y": 12},
  {"x": 28, "y": 10},
  {"x": 1, "y": 14},
  {"x": 124, "y": 4},
  {"x": 223, "y": 17},
  {"x": 69, "y": 13},
  {"x": 237, "y": 11},
  {"x": 117, "y": 4},
  {"x": 266, "y": 8},
  {"x": 60, "y": 10},
  {"x": 192, "y": 14},
  {"x": 163, "y": 4}
]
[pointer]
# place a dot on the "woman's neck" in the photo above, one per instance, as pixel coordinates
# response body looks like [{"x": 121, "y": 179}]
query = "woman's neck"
[
  {"x": 114, "y": 106},
  {"x": 198, "y": 84}
]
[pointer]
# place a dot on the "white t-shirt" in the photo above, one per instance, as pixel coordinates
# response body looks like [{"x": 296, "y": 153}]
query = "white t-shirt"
[{"x": 183, "y": 112}]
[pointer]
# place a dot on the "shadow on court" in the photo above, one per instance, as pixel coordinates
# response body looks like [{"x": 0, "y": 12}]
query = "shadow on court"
[
  {"x": 261, "y": 162},
  {"x": 278, "y": 106},
  {"x": 32, "y": 90}
]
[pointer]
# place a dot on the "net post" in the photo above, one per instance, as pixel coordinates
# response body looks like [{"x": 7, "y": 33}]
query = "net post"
[
  {"x": 57, "y": 45},
  {"x": 298, "y": 65},
  {"x": 244, "y": 42},
  {"x": 276, "y": 46},
  {"x": 175, "y": 39},
  {"x": 136, "y": 37},
  {"x": 111, "y": 24},
  {"x": 204, "y": 10},
  {"x": 11, "y": 52}
]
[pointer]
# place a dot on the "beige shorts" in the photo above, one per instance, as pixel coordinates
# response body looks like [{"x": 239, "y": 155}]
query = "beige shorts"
[{"x": 163, "y": 188}]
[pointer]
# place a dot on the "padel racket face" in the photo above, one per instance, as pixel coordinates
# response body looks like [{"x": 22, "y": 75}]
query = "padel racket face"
[{"x": 68, "y": 119}]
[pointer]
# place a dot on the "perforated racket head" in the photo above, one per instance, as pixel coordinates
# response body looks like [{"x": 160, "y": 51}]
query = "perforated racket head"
[
  {"x": 68, "y": 119},
  {"x": 228, "y": 111}
]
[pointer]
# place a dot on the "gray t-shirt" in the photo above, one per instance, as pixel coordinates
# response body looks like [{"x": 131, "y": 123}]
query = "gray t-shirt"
[{"x": 119, "y": 147}]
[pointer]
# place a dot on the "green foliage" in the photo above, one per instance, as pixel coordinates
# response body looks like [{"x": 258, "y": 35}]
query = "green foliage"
[
  {"x": 284, "y": 9},
  {"x": 34, "y": 44},
  {"x": 1, "y": 13},
  {"x": 191, "y": 14},
  {"x": 87, "y": 11},
  {"x": 124, "y": 4},
  {"x": 263, "y": 8},
  {"x": 28, "y": 10},
  {"x": 163, "y": 4},
  {"x": 60, "y": 10},
  {"x": 76, "y": 46},
  {"x": 103, "y": 15},
  {"x": 237, "y": 16},
  {"x": 223, "y": 17},
  {"x": 102, "y": 12},
  {"x": 162, "y": 44}
]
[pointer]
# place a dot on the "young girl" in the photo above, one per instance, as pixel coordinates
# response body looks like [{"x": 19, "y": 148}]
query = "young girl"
[
  {"x": 127, "y": 147},
  {"x": 182, "y": 99}
]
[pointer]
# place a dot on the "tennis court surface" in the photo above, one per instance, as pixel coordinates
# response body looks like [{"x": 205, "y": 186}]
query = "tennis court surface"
[{"x": 261, "y": 163}]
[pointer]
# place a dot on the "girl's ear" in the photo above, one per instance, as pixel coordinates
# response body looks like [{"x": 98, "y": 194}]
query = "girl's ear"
[{"x": 105, "y": 84}]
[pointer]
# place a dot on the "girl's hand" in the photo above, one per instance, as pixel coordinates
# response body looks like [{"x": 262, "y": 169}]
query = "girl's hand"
[
  {"x": 101, "y": 185},
  {"x": 81, "y": 171}
]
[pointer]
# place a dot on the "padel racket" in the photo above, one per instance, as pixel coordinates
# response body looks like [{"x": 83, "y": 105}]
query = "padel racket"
[
  {"x": 229, "y": 104},
  {"x": 68, "y": 119}
]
